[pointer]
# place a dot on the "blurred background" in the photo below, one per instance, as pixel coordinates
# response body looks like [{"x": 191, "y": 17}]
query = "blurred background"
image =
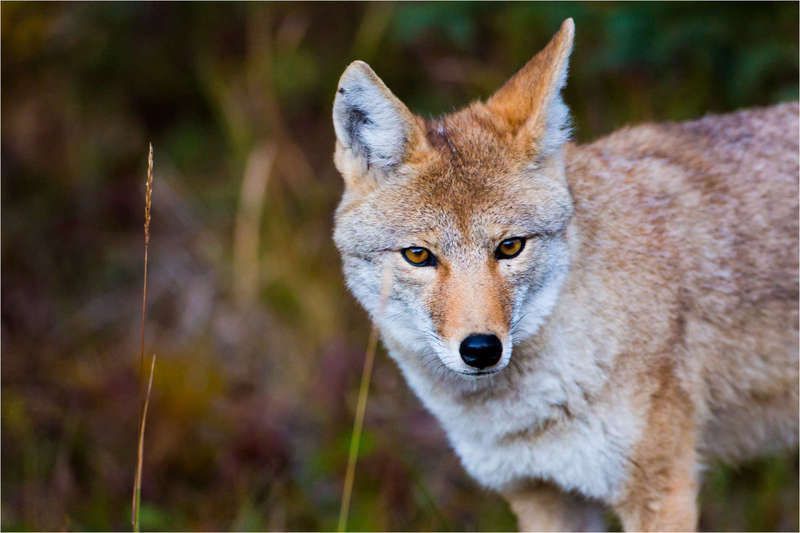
[{"x": 260, "y": 347}]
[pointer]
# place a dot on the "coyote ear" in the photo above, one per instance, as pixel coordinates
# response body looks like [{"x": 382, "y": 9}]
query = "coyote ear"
[
  {"x": 530, "y": 106},
  {"x": 373, "y": 127}
]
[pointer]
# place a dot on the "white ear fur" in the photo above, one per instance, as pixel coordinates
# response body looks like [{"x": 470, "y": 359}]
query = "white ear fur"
[
  {"x": 558, "y": 122},
  {"x": 370, "y": 122}
]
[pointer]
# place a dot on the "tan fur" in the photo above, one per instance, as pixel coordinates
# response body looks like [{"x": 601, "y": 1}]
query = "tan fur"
[
  {"x": 453, "y": 310},
  {"x": 543, "y": 507},
  {"x": 521, "y": 104},
  {"x": 682, "y": 242}
]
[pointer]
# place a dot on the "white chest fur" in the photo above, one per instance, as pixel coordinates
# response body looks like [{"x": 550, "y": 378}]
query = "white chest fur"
[{"x": 542, "y": 430}]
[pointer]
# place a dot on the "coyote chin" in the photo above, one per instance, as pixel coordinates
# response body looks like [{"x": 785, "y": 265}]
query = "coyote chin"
[{"x": 590, "y": 324}]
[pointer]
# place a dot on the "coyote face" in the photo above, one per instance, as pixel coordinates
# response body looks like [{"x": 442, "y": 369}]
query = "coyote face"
[
  {"x": 469, "y": 213},
  {"x": 476, "y": 253}
]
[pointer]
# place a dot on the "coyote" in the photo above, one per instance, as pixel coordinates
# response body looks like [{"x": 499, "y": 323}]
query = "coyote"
[{"x": 590, "y": 324}]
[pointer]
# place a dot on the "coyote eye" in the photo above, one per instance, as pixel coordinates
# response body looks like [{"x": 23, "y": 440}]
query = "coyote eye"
[
  {"x": 509, "y": 248},
  {"x": 418, "y": 256}
]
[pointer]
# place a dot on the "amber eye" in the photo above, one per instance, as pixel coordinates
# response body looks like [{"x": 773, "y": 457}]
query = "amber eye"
[
  {"x": 509, "y": 248},
  {"x": 418, "y": 256}
]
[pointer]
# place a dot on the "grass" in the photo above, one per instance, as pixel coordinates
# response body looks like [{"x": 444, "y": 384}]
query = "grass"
[
  {"x": 137, "y": 482},
  {"x": 361, "y": 407}
]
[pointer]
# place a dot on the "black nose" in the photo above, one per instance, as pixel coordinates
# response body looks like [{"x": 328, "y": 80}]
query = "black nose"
[{"x": 480, "y": 350}]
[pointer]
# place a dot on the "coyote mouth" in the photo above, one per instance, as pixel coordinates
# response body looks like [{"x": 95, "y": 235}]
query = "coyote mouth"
[{"x": 479, "y": 373}]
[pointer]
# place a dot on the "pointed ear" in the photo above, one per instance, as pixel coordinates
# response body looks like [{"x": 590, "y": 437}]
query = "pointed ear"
[
  {"x": 374, "y": 129},
  {"x": 529, "y": 105}
]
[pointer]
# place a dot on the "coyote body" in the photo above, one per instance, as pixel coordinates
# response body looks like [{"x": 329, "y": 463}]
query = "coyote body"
[{"x": 648, "y": 324}]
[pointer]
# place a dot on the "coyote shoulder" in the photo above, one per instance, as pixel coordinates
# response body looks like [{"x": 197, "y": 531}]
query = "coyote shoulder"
[{"x": 590, "y": 324}]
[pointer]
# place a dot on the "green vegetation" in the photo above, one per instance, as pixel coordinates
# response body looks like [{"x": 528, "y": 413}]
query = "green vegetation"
[{"x": 259, "y": 346}]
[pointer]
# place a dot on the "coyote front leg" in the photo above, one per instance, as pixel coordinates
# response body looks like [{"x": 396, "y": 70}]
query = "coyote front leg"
[
  {"x": 670, "y": 506},
  {"x": 661, "y": 492},
  {"x": 544, "y": 507}
]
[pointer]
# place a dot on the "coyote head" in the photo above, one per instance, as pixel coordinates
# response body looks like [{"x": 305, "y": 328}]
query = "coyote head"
[{"x": 468, "y": 212}]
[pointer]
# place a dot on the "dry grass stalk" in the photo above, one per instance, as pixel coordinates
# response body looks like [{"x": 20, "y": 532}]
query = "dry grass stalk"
[
  {"x": 148, "y": 202},
  {"x": 361, "y": 406},
  {"x": 137, "y": 483}
]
